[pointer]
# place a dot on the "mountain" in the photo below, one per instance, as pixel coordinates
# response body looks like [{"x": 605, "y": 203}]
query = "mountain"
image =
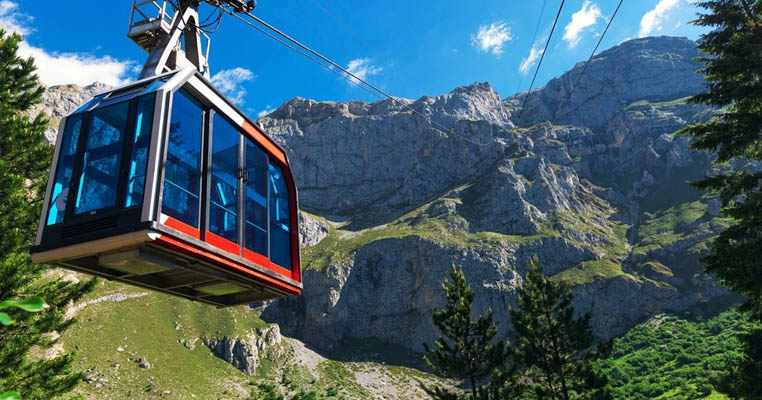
[
  {"x": 596, "y": 188},
  {"x": 592, "y": 181}
]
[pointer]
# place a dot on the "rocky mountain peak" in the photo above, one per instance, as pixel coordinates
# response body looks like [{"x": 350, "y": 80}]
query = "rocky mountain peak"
[
  {"x": 61, "y": 100},
  {"x": 653, "y": 68}
]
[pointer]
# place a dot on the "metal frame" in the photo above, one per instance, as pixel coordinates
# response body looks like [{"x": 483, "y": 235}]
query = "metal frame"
[{"x": 161, "y": 36}]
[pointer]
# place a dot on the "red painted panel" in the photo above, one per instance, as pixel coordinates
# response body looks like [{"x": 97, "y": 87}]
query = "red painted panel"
[
  {"x": 265, "y": 142},
  {"x": 265, "y": 262},
  {"x": 222, "y": 243},
  {"x": 182, "y": 227},
  {"x": 181, "y": 246},
  {"x": 294, "y": 228}
]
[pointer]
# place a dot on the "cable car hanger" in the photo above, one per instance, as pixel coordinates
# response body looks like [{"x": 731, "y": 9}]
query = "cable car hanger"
[{"x": 161, "y": 35}]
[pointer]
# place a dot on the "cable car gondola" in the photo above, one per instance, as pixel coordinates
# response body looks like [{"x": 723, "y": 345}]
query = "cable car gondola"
[{"x": 165, "y": 184}]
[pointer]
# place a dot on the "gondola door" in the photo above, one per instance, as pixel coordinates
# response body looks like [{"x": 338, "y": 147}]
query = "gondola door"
[{"x": 223, "y": 185}]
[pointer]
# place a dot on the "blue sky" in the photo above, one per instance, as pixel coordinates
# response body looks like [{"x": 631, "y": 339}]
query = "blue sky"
[{"x": 408, "y": 48}]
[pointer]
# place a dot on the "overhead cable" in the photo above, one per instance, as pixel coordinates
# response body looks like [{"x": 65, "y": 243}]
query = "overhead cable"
[
  {"x": 594, "y": 50},
  {"x": 534, "y": 37},
  {"x": 347, "y": 75},
  {"x": 339, "y": 22},
  {"x": 542, "y": 56}
]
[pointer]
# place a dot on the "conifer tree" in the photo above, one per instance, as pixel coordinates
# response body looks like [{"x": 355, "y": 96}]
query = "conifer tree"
[
  {"x": 732, "y": 65},
  {"x": 24, "y": 160},
  {"x": 555, "y": 348},
  {"x": 469, "y": 349}
]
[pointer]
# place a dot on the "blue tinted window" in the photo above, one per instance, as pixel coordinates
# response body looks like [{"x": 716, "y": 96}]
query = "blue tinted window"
[
  {"x": 223, "y": 210},
  {"x": 280, "y": 239},
  {"x": 64, "y": 168},
  {"x": 182, "y": 169},
  {"x": 255, "y": 232},
  {"x": 99, "y": 178},
  {"x": 136, "y": 170}
]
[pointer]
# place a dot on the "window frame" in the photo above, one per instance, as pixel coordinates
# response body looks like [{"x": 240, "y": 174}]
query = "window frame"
[
  {"x": 249, "y": 253},
  {"x": 217, "y": 240},
  {"x": 70, "y": 217},
  {"x": 201, "y": 217}
]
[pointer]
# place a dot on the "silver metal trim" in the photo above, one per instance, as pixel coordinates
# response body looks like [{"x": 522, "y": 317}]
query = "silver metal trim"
[
  {"x": 221, "y": 253},
  {"x": 93, "y": 247},
  {"x": 152, "y": 166},
  {"x": 51, "y": 177}
]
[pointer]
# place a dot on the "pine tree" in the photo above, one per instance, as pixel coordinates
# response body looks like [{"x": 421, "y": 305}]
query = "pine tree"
[
  {"x": 469, "y": 349},
  {"x": 24, "y": 160},
  {"x": 555, "y": 348},
  {"x": 732, "y": 64}
]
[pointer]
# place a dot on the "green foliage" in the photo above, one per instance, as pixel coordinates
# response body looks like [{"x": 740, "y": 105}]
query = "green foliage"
[
  {"x": 468, "y": 350},
  {"x": 555, "y": 348},
  {"x": 744, "y": 372},
  {"x": 31, "y": 304},
  {"x": 734, "y": 74},
  {"x": 673, "y": 358},
  {"x": 24, "y": 161},
  {"x": 668, "y": 226},
  {"x": 266, "y": 392}
]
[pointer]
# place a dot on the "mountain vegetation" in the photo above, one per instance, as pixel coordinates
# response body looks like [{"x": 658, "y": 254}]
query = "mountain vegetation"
[
  {"x": 24, "y": 163},
  {"x": 469, "y": 349},
  {"x": 732, "y": 68},
  {"x": 553, "y": 354},
  {"x": 669, "y": 357},
  {"x": 555, "y": 347}
]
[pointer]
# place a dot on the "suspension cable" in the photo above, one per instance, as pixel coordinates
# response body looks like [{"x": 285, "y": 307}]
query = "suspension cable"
[
  {"x": 347, "y": 75},
  {"x": 534, "y": 37},
  {"x": 542, "y": 56},
  {"x": 594, "y": 50}
]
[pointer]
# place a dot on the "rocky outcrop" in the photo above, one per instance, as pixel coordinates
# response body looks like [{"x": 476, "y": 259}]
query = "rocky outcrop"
[
  {"x": 357, "y": 157},
  {"x": 60, "y": 101},
  {"x": 245, "y": 352},
  {"x": 652, "y": 68},
  {"x": 572, "y": 187},
  {"x": 311, "y": 230}
]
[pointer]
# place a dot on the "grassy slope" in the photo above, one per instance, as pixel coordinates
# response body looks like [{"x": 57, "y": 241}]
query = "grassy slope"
[
  {"x": 151, "y": 327},
  {"x": 340, "y": 244},
  {"x": 110, "y": 336}
]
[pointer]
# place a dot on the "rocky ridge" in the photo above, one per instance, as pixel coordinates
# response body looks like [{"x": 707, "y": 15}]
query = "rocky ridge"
[{"x": 578, "y": 184}]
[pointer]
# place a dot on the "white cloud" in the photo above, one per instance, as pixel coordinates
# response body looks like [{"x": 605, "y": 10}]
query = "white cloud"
[
  {"x": 652, "y": 20},
  {"x": 267, "y": 111},
  {"x": 362, "y": 68},
  {"x": 531, "y": 59},
  {"x": 12, "y": 20},
  {"x": 492, "y": 38},
  {"x": 62, "y": 68},
  {"x": 229, "y": 82},
  {"x": 585, "y": 18}
]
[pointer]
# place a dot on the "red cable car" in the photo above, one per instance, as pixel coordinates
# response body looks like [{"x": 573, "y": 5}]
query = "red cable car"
[{"x": 165, "y": 184}]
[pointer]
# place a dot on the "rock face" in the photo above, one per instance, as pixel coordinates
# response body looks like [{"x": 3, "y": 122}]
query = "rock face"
[
  {"x": 245, "y": 352},
  {"x": 652, "y": 68},
  {"x": 592, "y": 182},
  {"x": 60, "y": 101},
  {"x": 357, "y": 156}
]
